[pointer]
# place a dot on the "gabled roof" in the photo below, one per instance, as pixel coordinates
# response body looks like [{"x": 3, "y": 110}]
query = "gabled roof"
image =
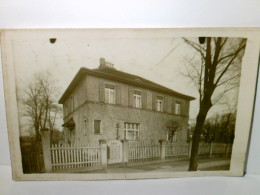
[{"x": 116, "y": 75}]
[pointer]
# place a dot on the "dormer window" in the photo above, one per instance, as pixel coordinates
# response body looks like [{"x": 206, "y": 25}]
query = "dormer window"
[
  {"x": 137, "y": 99},
  {"x": 110, "y": 94},
  {"x": 159, "y": 104}
]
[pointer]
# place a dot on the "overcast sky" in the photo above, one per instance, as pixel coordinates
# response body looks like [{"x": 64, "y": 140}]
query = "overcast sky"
[{"x": 158, "y": 57}]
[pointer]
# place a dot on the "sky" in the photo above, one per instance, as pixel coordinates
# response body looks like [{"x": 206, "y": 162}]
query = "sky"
[{"x": 159, "y": 57}]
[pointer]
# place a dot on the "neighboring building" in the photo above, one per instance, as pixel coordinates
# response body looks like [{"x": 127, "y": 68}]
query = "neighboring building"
[{"x": 107, "y": 104}]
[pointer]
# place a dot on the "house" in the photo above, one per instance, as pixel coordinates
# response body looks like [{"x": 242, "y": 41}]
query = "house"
[{"x": 108, "y": 104}]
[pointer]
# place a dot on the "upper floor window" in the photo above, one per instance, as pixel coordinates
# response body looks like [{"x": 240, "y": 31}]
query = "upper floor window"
[
  {"x": 177, "y": 108},
  {"x": 131, "y": 131},
  {"x": 97, "y": 126},
  {"x": 159, "y": 104},
  {"x": 110, "y": 94},
  {"x": 137, "y": 100}
]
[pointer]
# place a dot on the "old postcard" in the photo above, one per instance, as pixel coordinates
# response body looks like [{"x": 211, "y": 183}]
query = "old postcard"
[{"x": 96, "y": 104}]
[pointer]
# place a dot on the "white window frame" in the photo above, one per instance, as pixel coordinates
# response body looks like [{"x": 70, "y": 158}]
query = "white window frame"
[
  {"x": 111, "y": 93},
  {"x": 159, "y": 105},
  {"x": 177, "y": 108},
  {"x": 137, "y": 100},
  {"x": 132, "y": 127}
]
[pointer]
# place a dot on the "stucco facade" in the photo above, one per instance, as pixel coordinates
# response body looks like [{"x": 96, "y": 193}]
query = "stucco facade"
[{"x": 85, "y": 102}]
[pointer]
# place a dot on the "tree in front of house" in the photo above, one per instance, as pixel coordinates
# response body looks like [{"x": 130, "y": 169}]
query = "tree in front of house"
[
  {"x": 172, "y": 127},
  {"x": 41, "y": 104},
  {"x": 214, "y": 73}
]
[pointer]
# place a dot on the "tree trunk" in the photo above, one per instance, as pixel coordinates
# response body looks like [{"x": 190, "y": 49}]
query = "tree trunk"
[
  {"x": 37, "y": 133},
  {"x": 51, "y": 135},
  {"x": 196, "y": 138}
]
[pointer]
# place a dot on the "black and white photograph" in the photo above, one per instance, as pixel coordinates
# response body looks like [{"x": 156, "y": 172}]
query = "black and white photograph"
[{"x": 108, "y": 103}]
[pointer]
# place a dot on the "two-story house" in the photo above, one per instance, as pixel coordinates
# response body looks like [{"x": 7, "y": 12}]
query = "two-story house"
[{"x": 108, "y": 104}]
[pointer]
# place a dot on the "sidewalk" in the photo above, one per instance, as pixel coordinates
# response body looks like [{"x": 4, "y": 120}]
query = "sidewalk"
[{"x": 177, "y": 165}]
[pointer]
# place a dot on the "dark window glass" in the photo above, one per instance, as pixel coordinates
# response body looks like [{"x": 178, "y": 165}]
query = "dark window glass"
[{"x": 97, "y": 126}]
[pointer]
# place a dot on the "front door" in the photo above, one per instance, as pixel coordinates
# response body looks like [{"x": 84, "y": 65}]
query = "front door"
[{"x": 115, "y": 152}]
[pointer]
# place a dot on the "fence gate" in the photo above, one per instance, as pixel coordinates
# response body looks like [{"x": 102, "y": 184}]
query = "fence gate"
[
  {"x": 114, "y": 152},
  {"x": 32, "y": 157}
]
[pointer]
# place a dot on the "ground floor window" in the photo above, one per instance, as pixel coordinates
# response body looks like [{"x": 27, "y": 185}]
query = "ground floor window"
[
  {"x": 97, "y": 126},
  {"x": 131, "y": 131},
  {"x": 171, "y": 136}
]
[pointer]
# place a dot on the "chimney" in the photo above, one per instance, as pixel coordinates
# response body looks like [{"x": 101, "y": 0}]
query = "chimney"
[{"x": 104, "y": 64}]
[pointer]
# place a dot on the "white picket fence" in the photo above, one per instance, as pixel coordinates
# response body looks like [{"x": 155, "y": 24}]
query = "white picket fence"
[
  {"x": 75, "y": 156},
  {"x": 219, "y": 148},
  {"x": 204, "y": 148},
  {"x": 65, "y": 157},
  {"x": 143, "y": 151},
  {"x": 176, "y": 149}
]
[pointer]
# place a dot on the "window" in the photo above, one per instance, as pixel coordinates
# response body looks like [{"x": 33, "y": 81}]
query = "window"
[
  {"x": 110, "y": 96},
  {"x": 97, "y": 126},
  {"x": 159, "y": 104},
  {"x": 178, "y": 108},
  {"x": 131, "y": 131},
  {"x": 171, "y": 136},
  {"x": 137, "y": 100}
]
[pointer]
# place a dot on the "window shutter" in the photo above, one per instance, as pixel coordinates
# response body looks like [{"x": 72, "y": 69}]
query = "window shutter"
[
  {"x": 130, "y": 96},
  {"x": 144, "y": 99},
  {"x": 187, "y": 104},
  {"x": 118, "y": 94},
  {"x": 165, "y": 104},
  {"x": 101, "y": 91},
  {"x": 173, "y": 106},
  {"x": 154, "y": 102},
  {"x": 182, "y": 107}
]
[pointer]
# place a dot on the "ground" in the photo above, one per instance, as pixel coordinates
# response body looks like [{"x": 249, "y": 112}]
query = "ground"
[{"x": 174, "y": 165}]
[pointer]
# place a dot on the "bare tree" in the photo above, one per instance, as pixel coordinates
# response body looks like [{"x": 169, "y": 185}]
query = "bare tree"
[
  {"x": 172, "y": 126},
  {"x": 41, "y": 104},
  {"x": 214, "y": 74}
]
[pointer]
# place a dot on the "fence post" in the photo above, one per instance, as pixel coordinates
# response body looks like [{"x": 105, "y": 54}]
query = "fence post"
[
  {"x": 45, "y": 136},
  {"x": 211, "y": 149},
  {"x": 163, "y": 148},
  {"x": 125, "y": 146},
  {"x": 190, "y": 146},
  {"x": 104, "y": 155}
]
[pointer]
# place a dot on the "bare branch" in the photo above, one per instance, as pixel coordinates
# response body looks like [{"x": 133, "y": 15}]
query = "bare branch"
[
  {"x": 240, "y": 48},
  {"x": 196, "y": 46},
  {"x": 216, "y": 99}
]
